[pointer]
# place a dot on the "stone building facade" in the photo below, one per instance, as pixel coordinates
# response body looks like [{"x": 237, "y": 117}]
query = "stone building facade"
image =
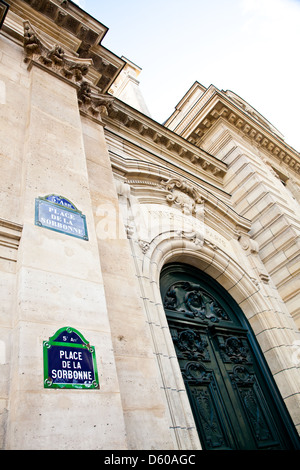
[{"x": 167, "y": 247}]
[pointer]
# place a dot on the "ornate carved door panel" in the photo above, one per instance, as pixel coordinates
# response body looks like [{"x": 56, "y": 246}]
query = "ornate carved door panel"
[{"x": 232, "y": 395}]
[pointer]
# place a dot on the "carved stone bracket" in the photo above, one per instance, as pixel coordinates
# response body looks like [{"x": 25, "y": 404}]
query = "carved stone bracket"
[
  {"x": 247, "y": 243},
  {"x": 144, "y": 245},
  {"x": 53, "y": 57},
  {"x": 70, "y": 68},
  {"x": 93, "y": 103}
]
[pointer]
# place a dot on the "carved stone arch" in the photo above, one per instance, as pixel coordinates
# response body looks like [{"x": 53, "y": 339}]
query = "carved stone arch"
[
  {"x": 208, "y": 328},
  {"x": 152, "y": 185},
  {"x": 250, "y": 297},
  {"x": 212, "y": 260}
]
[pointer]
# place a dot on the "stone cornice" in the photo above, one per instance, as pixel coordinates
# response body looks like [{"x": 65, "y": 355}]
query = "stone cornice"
[
  {"x": 52, "y": 57},
  {"x": 251, "y": 126},
  {"x": 132, "y": 122},
  {"x": 71, "y": 69},
  {"x": 70, "y": 17},
  {"x": 65, "y": 23},
  {"x": 3, "y": 11}
]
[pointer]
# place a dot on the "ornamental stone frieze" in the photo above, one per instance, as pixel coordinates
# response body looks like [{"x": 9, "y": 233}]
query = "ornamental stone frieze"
[
  {"x": 70, "y": 68},
  {"x": 154, "y": 184},
  {"x": 195, "y": 237},
  {"x": 145, "y": 220}
]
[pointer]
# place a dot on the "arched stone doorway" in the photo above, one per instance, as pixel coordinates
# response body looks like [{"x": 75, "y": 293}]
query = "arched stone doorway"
[{"x": 233, "y": 397}]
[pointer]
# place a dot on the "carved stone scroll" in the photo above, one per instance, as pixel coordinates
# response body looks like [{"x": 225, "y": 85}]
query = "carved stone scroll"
[
  {"x": 53, "y": 57},
  {"x": 183, "y": 194}
]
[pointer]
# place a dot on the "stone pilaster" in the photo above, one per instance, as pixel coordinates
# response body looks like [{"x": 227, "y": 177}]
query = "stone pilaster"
[
  {"x": 59, "y": 279},
  {"x": 143, "y": 402}
]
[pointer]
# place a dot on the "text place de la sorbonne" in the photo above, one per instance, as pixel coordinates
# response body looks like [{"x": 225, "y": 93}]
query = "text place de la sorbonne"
[{"x": 149, "y": 272}]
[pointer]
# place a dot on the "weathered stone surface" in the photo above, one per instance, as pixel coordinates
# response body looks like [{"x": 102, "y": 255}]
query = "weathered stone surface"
[{"x": 216, "y": 189}]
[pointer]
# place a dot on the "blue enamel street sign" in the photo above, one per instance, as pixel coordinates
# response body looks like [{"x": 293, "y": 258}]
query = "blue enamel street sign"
[
  {"x": 62, "y": 201},
  {"x": 59, "y": 214},
  {"x": 69, "y": 361}
]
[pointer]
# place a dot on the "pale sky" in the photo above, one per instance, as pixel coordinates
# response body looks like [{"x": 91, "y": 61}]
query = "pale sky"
[{"x": 250, "y": 47}]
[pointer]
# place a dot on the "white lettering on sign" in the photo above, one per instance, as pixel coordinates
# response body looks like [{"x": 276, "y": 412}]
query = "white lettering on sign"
[
  {"x": 62, "y": 220},
  {"x": 64, "y": 227},
  {"x": 71, "y": 355},
  {"x": 72, "y": 374},
  {"x": 70, "y": 366}
]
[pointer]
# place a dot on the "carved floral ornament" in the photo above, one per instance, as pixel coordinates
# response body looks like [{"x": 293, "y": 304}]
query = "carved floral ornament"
[
  {"x": 183, "y": 195},
  {"x": 191, "y": 301},
  {"x": 70, "y": 68},
  {"x": 187, "y": 225}
]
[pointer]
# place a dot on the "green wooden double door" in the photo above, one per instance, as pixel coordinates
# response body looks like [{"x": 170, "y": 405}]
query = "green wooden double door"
[{"x": 234, "y": 399}]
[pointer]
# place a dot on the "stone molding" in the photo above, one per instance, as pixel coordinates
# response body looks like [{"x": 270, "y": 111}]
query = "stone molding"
[
  {"x": 143, "y": 127},
  {"x": 63, "y": 14},
  {"x": 160, "y": 183},
  {"x": 10, "y": 236},
  {"x": 259, "y": 134}
]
